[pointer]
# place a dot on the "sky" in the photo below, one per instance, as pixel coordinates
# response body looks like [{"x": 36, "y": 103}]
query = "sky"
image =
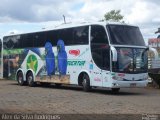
[{"x": 20, "y": 16}]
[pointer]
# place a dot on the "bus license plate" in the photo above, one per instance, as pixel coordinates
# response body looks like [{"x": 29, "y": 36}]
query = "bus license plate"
[{"x": 133, "y": 85}]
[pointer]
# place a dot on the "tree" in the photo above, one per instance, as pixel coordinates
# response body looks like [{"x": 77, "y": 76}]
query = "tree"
[{"x": 114, "y": 15}]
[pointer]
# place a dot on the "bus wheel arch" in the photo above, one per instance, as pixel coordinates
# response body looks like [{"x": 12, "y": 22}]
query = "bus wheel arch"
[
  {"x": 20, "y": 77},
  {"x": 30, "y": 78},
  {"x": 84, "y": 80}
]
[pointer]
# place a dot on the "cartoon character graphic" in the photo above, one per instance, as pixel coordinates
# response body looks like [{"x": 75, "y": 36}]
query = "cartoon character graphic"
[
  {"x": 62, "y": 57},
  {"x": 50, "y": 59}
]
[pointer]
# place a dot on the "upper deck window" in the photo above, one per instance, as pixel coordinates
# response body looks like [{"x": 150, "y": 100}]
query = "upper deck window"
[{"x": 125, "y": 35}]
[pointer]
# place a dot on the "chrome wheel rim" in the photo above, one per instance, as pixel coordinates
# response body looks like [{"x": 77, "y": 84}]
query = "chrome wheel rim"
[
  {"x": 30, "y": 79},
  {"x": 20, "y": 78},
  {"x": 84, "y": 81}
]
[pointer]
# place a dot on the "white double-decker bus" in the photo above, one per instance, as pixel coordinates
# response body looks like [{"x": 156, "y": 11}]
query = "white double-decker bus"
[{"x": 101, "y": 54}]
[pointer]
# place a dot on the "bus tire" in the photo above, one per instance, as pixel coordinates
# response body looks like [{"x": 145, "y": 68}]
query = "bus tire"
[
  {"x": 45, "y": 84},
  {"x": 20, "y": 78},
  {"x": 30, "y": 79},
  {"x": 86, "y": 83},
  {"x": 115, "y": 90},
  {"x": 58, "y": 84}
]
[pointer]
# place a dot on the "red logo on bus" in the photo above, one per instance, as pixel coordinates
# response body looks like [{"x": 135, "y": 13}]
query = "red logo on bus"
[{"x": 74, "y": 52}]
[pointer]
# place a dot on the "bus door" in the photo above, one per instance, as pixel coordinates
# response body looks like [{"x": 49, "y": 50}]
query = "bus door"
[
  {"x": 96, "y": 75},
  {"x": 101, "y": 70},
  {"x": 106, "y": 78},
  {"x": 110, "y": 54},
  {"x": 105, "y": 66},
  {"x": 100, "y": 54}
]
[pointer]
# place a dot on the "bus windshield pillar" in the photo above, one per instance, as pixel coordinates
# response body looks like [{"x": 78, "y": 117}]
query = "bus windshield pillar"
[{"x": 114, "y": 54}]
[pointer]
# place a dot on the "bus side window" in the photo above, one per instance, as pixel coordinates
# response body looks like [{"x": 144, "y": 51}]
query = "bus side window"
[
  {"x": 52, "y": 36},
  {"x": 39, "y": 39},
  {"x": 75, "y": 36},
  {"x": 67, "y": 36},
  {"x": 27, "y": 41},
  {"x": 12, "y": 42},
  {"x": 80, "y": 35},
  {"x": 98, "y": 35},
  {"x": 100, "y": 47}
]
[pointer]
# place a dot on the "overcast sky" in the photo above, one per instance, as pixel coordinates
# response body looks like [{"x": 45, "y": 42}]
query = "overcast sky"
[{"x": 32, "y": 15}]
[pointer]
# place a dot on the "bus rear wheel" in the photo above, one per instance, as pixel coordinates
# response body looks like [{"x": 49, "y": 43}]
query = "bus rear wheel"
[
  {"x": 86, "y": 83},
  {"x": 20, "y": 78},
  {"x": 45, "y": 84},
  {"x": 30, "y": 79},
  {"x": 58, "y": 84}
]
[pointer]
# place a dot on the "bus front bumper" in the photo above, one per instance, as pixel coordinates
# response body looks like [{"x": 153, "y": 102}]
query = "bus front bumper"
[{"x": 129, "y": 84}]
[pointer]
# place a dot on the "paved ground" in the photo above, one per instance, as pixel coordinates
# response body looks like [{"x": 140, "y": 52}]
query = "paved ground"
[{"x": 72, "y": 100}]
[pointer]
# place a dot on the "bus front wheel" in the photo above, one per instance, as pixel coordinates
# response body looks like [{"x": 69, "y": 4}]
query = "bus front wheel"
[
  {"x": 58, "y": 84},
  {"x": 20, "y": 78},
  {"x": 86, "y": 83},
  {"x": 30, "y": 79}
]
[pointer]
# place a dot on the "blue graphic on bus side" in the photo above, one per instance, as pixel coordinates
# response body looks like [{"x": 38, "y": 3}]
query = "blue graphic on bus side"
[
  {"x": 62, "y": 57},
  {"x": 50, "y": 59}
]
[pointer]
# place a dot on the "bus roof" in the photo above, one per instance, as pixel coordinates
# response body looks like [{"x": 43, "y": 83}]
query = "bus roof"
[{"x": 70, "y": 25}]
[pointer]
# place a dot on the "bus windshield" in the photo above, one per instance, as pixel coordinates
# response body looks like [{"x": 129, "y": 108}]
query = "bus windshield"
[
  {"x": 125, "y": 35},
  {"x": 131, "y": 60}
]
